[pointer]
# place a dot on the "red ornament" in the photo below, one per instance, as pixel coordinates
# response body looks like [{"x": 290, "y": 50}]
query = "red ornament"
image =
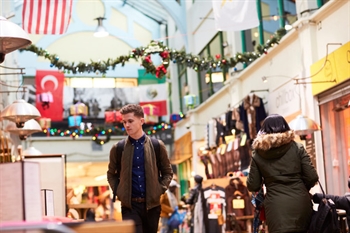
[
  {"x": 164, "y": 54},
  {"x": 217, "y": 56},
  {"x": 148, "y": 59},
  {"x": 160, "y": 71},
  {"x": 223, "y": 61}
]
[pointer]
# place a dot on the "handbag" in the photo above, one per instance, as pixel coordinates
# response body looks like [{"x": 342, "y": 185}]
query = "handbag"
[
  {"x": 325, "y": 219},
  {"x": 176, "y": 219}
]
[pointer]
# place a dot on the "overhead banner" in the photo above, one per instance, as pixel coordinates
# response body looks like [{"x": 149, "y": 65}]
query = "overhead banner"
[{"x": 235, "y": 15}]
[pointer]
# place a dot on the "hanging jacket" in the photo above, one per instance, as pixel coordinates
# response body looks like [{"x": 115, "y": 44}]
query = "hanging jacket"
[{"x": 285, "y": 168}]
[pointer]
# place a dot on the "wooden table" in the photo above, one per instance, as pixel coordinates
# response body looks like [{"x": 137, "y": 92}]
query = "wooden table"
[{"x": 82, "y": 208}]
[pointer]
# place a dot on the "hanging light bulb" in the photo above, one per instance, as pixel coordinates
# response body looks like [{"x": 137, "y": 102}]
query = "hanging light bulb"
[{"x": 100, "y": 30}]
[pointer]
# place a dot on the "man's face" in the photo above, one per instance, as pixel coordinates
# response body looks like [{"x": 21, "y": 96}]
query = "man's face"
[{"x": 133, "y": 125}]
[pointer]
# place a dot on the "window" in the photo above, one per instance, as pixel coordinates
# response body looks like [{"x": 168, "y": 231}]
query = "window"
[
  {"x": 183, "y": 85},
  {"x": 212, "y": 80},
  {"x": 274, "y": 15}
]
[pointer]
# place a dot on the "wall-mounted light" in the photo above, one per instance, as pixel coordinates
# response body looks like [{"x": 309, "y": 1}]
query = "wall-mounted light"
[{"x": 100, "y": 30}]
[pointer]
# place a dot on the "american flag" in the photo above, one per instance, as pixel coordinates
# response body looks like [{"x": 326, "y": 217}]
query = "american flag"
[{"x": 46, "y": 16}]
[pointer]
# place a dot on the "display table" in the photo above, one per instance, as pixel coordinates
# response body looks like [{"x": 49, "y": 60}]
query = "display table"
[
  {"x": 47, "y": 227},
  {"x": 68, "y": 226},
  {"x": 82, "y": 208}
]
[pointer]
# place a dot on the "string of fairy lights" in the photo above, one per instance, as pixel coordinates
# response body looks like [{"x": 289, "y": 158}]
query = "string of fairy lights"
[{"x": 101, "y": 135}]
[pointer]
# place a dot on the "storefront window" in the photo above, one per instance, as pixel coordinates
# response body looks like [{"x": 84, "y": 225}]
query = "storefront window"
[{"x": 335, "y": 123}]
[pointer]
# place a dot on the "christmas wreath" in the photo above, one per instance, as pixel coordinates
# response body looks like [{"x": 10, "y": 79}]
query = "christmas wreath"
[
  {"x": 156, "y": 47},
  {"x": 99, "y": 141}
]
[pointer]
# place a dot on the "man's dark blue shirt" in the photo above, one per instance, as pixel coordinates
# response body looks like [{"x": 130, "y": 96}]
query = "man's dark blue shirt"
[{"x": 138, "y": 168}]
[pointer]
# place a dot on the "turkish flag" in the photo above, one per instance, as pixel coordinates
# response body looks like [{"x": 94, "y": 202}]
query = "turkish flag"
[{"x": 49, "y": 84}]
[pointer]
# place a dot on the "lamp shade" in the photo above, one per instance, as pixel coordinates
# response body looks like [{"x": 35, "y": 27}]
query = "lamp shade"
[
  {"x": 19, "y": 112},
  {"x": 12, "y": 36},
  {"x": 100, "y": 30},
  {"x": 302, "y": 125},
  {"x": 31, "y": 151},
  {"x": 30, "y": 127}
]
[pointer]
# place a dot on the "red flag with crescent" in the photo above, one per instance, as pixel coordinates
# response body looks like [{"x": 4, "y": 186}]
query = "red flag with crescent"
[{"x": 49, "y": 94}]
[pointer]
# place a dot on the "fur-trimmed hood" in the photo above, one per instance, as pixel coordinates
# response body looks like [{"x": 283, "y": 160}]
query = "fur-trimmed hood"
[{"x": 273, "y": 145}]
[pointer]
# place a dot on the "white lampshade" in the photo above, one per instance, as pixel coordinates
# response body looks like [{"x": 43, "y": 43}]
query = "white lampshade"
[
  {"x": 100, "y": 30},
  {"x": 19, "y": 112},
  {"x": 302, "y": 125},
  {"x": 31, "y": 151},
  {"x": 12, "y": 37},
  {"x": 30, "y": 127}
]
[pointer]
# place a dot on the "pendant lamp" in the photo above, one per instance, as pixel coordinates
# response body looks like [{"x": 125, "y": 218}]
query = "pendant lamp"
[
  {"x": 100, "y": 30},
  {"x": 19, "y": 112},
  {"x": 302, "y": 125},
  {"x": 12, "y": 37},
  {"x": 30, "y": 127}
]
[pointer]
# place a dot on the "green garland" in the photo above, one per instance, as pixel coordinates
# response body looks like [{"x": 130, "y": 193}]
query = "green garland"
[{"x": 167, "y": 55}]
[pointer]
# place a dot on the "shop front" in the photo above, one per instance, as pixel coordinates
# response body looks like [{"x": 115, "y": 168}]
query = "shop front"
[{"x": 334, "y": 110}]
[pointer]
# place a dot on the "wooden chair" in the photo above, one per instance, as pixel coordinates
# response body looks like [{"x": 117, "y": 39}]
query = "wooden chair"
[{"x": 126, "y": 226}]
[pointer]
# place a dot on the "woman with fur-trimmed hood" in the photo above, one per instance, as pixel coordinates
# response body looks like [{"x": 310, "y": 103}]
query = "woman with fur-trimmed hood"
[{"x": 285, "y": 168}]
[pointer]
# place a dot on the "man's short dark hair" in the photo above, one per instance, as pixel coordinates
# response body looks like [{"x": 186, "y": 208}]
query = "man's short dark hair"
[{"x": 132, "y": 108}]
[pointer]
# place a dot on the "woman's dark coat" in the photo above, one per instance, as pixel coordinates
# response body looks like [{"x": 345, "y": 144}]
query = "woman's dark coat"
[{"x": 288, "y": 174}]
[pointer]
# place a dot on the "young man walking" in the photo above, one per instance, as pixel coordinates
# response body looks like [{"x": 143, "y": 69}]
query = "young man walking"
[{"x": 139, "y": 185}]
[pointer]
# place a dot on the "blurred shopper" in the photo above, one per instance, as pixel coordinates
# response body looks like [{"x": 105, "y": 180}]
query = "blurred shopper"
[
  {"x": 134, "y": 177},
  {"x": 199, "y": 221},
  {"x": 285, "y": 168},
  {"x": 168, "y": 203},
  {"x": 341, "y": 202}
]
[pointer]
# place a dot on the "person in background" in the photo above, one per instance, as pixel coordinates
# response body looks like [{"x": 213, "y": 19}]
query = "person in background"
[
  {"x": 168, "y": 203},
  {"x": 285, "y": 168},
  {"x": 140, "y": 186},
  {"x": 341, "y": 202},
  {"x": 199, "y": 221}
]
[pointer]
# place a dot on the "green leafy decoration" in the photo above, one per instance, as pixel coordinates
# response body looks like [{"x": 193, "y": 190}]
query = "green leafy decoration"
[{"x": 167, "y": 55}]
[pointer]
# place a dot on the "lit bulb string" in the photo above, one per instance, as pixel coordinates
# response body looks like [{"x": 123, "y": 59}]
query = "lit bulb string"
[
  {"x": 166, "y": 54},
  {"x": 96, "y": 133}
]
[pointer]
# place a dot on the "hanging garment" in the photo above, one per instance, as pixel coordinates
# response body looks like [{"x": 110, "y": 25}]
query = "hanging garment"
[
  {"x": 211, "y": 134},
  {"x": 252, "y": 113},
  {"x": 215, "y": 202},
  {"x": 236, "y": 190},
  {"x": 215, "y": 164}
]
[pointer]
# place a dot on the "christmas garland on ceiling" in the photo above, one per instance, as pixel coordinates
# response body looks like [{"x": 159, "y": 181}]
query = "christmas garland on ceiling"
[{"x": 167, "y": 55}]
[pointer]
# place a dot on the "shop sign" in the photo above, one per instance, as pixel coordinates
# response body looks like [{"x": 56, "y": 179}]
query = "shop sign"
[
  {"x": 284, "y": 100},
  {"x": 335, "y": 66}
]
